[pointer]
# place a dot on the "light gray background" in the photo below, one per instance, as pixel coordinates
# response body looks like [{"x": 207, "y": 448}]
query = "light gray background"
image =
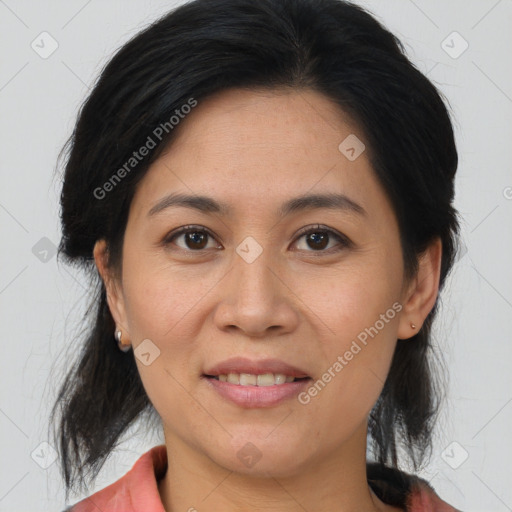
[{"x": 41, "y": 302}]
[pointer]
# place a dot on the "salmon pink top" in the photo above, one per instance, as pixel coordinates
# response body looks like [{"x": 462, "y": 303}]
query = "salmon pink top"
[{"x": 137, "y": 490}]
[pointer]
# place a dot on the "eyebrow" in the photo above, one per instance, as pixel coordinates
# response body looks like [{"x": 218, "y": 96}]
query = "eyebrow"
[{"x": 305, "y": 202}]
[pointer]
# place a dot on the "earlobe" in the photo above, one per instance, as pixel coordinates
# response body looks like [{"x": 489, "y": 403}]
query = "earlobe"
[
  {"x": 422, "y": 293},
  {"x": 112, "y": 287}
]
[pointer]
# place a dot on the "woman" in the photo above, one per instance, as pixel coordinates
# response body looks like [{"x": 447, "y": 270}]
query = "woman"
[{"x": 263, "y": 193}]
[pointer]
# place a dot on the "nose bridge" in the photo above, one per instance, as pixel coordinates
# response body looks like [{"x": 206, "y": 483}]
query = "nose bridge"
[
  {"x": 255, "y": 299},
  {"x": 252, "y": 271}
]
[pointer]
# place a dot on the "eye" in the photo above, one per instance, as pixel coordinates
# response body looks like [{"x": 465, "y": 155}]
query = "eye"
[
  {"x": 318, "y": 237},
  {"x": 195, "y": 238}
]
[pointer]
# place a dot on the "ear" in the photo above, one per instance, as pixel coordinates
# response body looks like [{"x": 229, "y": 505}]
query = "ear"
[
  {"x": 422, "y": 292},
  {"x": 113, "y": 287}
]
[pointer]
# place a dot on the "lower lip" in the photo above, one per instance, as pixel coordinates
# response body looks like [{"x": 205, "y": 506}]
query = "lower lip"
[{"x": 257, "y": 396}]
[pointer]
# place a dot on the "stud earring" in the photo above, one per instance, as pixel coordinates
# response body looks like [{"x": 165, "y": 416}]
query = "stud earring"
[
  {"x": 413, "y": 326},
  {"x": 124, "y": 348}
]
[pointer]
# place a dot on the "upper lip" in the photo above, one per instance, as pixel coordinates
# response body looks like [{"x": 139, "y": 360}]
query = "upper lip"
[{"x": 255, "y": 367}]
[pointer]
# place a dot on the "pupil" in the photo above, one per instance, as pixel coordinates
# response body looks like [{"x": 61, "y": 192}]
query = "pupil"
[
  {"x": 316, "y": 237},
  {"x": 196, "y": 237}
]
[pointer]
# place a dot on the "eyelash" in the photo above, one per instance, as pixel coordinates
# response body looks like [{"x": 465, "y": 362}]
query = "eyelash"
[{"x": 341, "y": 239}]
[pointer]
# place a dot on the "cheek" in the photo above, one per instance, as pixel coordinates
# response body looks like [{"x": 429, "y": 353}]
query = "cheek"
[
  {"x": 159, "y": 298},
  {"x": 351, "y": 298},
  {"x": 162, "y": 305},
  {"x": 350, "y": 382},
  {"x": 359, "y": 312}
]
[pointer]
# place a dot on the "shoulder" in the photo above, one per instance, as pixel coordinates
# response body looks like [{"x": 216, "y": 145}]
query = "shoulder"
[
  {"x": 136, "y": 490},
  {"x": 401, "y": 489}
]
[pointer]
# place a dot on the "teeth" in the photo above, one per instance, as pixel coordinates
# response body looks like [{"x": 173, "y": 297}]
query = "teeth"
[
  {"x": 249, "y": 379},
  {"x": 267, "y": 379},
  {"x": 246, "y": 379},
  {"x": 233, "y": 378}
]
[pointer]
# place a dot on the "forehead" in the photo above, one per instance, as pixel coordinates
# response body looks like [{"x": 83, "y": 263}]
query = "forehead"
[
  {"x": 255, "y": 120},
  {"x": 251, "y": 148}
]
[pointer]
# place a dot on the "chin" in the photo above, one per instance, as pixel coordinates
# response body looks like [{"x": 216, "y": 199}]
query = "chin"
[{"x": 259, "y": 455}]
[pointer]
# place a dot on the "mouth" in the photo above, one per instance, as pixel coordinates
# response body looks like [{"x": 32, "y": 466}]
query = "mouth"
[
  {"x": 251, "y": 384},
  {"x": 260, "y": 380}
]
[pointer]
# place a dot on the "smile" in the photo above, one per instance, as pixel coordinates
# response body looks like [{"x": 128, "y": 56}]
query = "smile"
[
  {"x": 250, "y": 379},
  {"x": 251, "y": 391}
]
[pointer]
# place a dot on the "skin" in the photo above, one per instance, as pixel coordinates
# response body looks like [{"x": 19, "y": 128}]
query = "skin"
[{"x": 255, "y": 150}]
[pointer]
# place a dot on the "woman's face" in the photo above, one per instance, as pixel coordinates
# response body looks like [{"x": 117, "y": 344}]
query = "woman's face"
[{"x": 250, "y": 293}]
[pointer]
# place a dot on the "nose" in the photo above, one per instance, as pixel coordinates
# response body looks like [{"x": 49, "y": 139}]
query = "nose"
[{"x": 256, "y": 300}]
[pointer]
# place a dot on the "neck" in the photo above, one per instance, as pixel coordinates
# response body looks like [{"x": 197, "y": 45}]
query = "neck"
[{"x": 332, "y": 482}]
